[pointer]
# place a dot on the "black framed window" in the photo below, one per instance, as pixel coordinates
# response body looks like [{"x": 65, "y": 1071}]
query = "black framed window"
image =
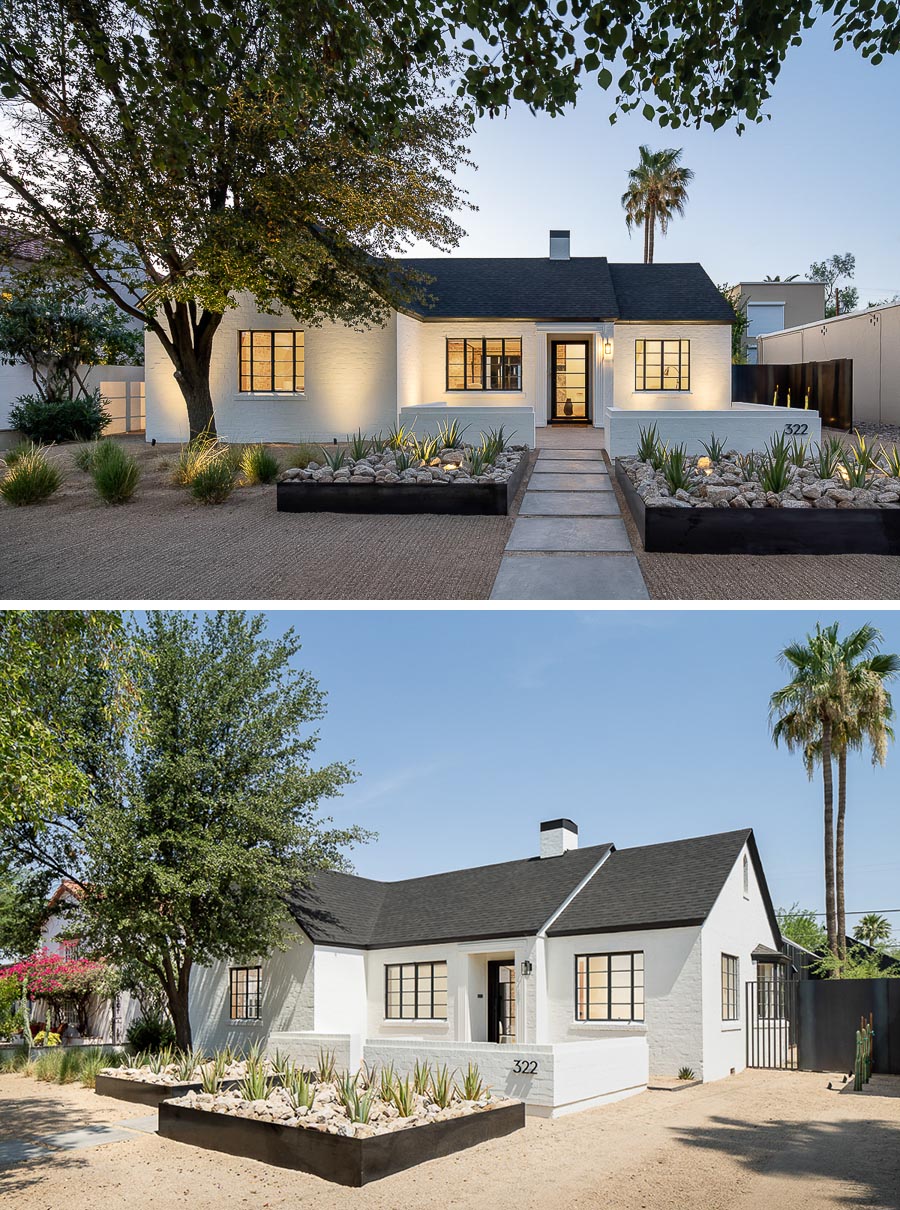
[
  {"x": 662, "y": 365},
  {"x": 272, "y": 361},
  {"x": 415, "y": 991},
  {"x": 246, "y": 992},
  {"x": 609, "y": 987},
  {"x": 730, "y": 1004},
  {"x": 484, "y": 363}
]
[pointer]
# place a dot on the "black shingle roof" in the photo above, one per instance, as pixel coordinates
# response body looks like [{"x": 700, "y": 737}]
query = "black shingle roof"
[
  {"x": 583, "y": 288},
  {"x": 512, "y": 898},
  {"x": 655, "y": 886}
]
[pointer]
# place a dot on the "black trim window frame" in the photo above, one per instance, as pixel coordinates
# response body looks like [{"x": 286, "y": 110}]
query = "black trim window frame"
[
  {"x": 598, "y": 994},
  {"x": 264, "y": 361},
  {"x": 663, "y": 362},
  {"x": 245, "y": 993},
  {"x": 476, "y": 364},
  {"x": 419, "y": 986},
  {"x": 731, "y": 1003}
]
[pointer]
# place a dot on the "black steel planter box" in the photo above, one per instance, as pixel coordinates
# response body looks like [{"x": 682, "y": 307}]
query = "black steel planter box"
[
  {"x": 467, "y": 500},
  {"x": 142, "y": 1092},
  {"x": 334, "y": 1157},
  {"x": 762, "y": 531}
]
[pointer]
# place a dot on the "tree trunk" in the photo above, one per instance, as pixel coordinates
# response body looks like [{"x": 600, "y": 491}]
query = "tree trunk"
[
  {"x": 191, "y": 353},
  {"x": 651, "y": 240},
  {"x": 839, "y": 854},
  {"x": 646, "y": 235},
  {"x": 177, "y": 988},
  {"x": 828, "y": 788}
]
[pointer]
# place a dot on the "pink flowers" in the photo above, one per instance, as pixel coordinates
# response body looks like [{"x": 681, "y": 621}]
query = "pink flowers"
[{"x": 52, "y": 975}]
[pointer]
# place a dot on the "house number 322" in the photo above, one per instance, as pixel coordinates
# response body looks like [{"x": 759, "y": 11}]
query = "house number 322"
[
  {"x": 796, "y": 430},
  {"x": 525, "y": 1067}
]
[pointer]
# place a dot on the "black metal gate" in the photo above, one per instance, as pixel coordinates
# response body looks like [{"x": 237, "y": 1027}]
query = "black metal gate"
[{"x": 772, "y": 1018}]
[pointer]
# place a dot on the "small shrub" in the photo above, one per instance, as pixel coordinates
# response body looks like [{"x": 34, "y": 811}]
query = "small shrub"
[
  {"x": 150, "y": 1033},
  {"x": 714, "y": 448},
  {"x": 359, "y": 444},
  {"x": 333, "y": 458},
  {"x": 677, "y": 469},
  {"x": 473, "y": 1088},
  {"x": 686, "y": 1073},
  {"x": 258, "y": 465},
  {"x": 43, "y": 1038},
  {"x": 215, "y": 482},
  {"x": 19, "y": 450},
  {"x": 828, "y": 457},
  {"x": 648, "y": 442},
  {"x": 303, "y": 455},
  {"x": 49, "y": 420},
  {"x": 115, "y": 473},
  {"x": 451, "y": 434},
  {"x": 32, "y": 479}
]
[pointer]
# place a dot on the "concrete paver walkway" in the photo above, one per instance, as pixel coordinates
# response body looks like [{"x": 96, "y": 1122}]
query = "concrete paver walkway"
[{"x": 569, "y": 541}]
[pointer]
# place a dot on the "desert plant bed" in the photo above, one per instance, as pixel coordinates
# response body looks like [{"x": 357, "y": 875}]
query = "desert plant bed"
[
  {"x": 152, "y": 1078},
  {"x": 402, "y": 474},
  {"x": 788, "y": 499},
  {"x": 323, "y": 1138}
]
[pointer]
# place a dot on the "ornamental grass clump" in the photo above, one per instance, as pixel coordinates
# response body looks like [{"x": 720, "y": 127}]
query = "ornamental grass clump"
[
  {"x": 303, "y": 455},
  {"x": 199, "y": 453},
  {"x": 47, "y": 1067},
  {"x": 31, "y": 480},
  {"x": 85, "y": 457},
  {"x": 12, "y": 456},
  {"x": 258, "y": 465},
  {"x": 115, "y": 473},
  {"x": 214, "y": 483}
]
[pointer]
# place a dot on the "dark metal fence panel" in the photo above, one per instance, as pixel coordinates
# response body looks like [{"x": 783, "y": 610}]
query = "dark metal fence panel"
[
  {"x": 828, "y": 383},
  {"x": 772, "y": 1023},
  {"x": 830, "y": 1012}
]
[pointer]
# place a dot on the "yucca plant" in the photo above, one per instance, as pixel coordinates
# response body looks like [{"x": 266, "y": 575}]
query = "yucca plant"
[
  {"x": 828, "y": 457},
  {"x": 686, "y": 1073},
  {"x": 360, "y": 445},
  {"x": 115, "y": 473},
  {"x": 714, "y": 448},
  {"x": 442, "y": 1086},
  {"x": 421, "y": 1077},
  {"x": 334, "y": 458},
  {"x": 186, "y": 1063},
  {"x": 473, "y": 1088},
  {"x": 326, "y": 1067},
  {"x": 864, "y": 454},
  {"x": 451, "y": 434},
  {"x": 427, "y": 448},
  {"x": 798, "y": 452},
  {"x": 494, "y": 443},
  {"x": 677, "y": 470},
  {"x": 476, "y": 461},
  {"x": 386, "y": 1083},
  {"x": 891, "y": 462},
  {"x": 258, "y": 465},
  {"x": 400, "y": 436},
  {"x": 379, "y": 443},
  {"x": 403, "y": 1097},
  {"x": 775, "y": 469},
  {"x": 854, "y": 472},
  {"x": 31, "y": 480},
  {"x": 255, "y": 1084},
  {"x": 300, "y": 1089},
  {"x": 648, "y": 442},
  {"x": 406, "y": 460}
]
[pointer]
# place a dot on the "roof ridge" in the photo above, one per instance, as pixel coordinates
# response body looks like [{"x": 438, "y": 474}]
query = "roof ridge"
[{"x": 659, "y": 844}]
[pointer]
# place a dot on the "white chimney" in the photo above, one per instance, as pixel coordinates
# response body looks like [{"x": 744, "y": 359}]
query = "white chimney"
[
  {"x": 558, "y": 835},
  {"x": 559, "y": 245}
]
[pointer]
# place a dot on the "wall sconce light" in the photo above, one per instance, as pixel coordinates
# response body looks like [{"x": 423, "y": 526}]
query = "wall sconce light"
[
  {"x": 526, "y": 967},
  {"x": 607, "y": 347}
]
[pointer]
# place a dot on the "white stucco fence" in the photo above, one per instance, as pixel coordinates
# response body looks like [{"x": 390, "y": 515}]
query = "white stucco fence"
[
  {"x": 518, "y": 422},
  {"x": 743, "y": 427}
]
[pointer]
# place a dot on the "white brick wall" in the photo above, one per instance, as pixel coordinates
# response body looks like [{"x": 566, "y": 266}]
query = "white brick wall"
[{"x": 710, "y": 366}]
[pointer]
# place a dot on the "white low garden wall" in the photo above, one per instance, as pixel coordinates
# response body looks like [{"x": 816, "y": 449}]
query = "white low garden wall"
[
  {"x": 743, "y": 427},
  {"x": 304, "y": 1048},
  {"x": 517, "y": 421},
  {"x": 552, "y": 1080}
]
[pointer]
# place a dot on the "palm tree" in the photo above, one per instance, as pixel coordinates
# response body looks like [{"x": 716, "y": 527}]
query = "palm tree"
[
  {"x": 778, "y": 277},
  {"x": 657, "y": 191},
  {"x": 835, "y": 701},
  {"x": 873, "y": 929}
]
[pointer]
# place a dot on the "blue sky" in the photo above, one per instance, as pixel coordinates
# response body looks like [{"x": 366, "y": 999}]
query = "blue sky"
[
  {"x": 818, "y": 178},
  {"x": 470, "y": 727}
]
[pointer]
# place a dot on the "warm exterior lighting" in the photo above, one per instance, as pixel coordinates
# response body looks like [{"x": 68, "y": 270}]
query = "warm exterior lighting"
[
  {"x": 844, "y": 473},
  {"x": 607, "y": 347},
  {"x": 704, "y": 464},
  {"x": 451, "y": 466},
  {"x": 526, "y": 967}
]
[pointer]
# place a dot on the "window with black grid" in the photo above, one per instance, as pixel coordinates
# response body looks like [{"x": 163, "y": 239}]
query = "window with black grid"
[
  {"x": 484, "y": 363},
  {"x": 415, "y": 991},
  {"x": 246, "y": 988},
  {"x": 662, "y": 365},
  {"x": 609, "y": 987},
  {"x": 730, "y": 1011},
  {"x": 272, "y": 361}
]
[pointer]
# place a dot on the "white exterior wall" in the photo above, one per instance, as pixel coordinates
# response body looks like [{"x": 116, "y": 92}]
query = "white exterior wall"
[
  {"x": 428, "y": 418},
  {"x": 15, "y": 380},
  {"x": 743, "y": 427},
  {"x": 735, "y": 926},
  {"x": 350, "y": 383},
  {"x": 710, "y": 366},
  {"x": 433, "y": 337},
  {"x": 870, "y": 338},
  {"x": 339, "y": 995},
  {"x": 287, "y": 999},
  {"x": 121, "y": 386},
  {"x": 672, "y": 993}
]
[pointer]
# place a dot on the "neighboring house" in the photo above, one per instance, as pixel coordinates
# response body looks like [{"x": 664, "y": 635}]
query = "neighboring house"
[
  {"x": 557, "y": 339},
  {"x": 772, "y": 306},
  {"x": 870, "y": 338},
  {"x": 568, "y": 977}
]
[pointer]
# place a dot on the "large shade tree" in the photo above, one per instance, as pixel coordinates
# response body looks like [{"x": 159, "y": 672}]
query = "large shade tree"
[
  {"x": 186, "y": 150},
  {"x": 657, "y": 191},
  {"x": 201, "y": 816}
]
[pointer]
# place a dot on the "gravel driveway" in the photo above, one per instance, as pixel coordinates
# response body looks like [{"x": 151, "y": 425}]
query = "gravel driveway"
[{"x": 757, "y": 1141}]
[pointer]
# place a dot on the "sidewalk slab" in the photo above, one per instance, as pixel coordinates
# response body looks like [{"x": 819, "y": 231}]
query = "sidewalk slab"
[
  {"x": 569, "y": 534},
  {"x": 545, "y": 466},
  {"x": 552, "y": 482},
  {"x": 18, "y": 1152},
  {"x": 569, "y": 578},
  {"x": 569, "y": 504},
  {"x": 88, "y": 1136}
]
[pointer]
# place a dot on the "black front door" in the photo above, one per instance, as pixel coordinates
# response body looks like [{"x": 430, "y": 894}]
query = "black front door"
[
  {"x": 570, "y": 386},
  {"x": 501, "y": 1001}
]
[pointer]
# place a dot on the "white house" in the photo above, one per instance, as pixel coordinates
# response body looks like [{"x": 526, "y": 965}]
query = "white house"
[
  {"x": 557, "y": 339},
  {"x": 569, "y": 978}
]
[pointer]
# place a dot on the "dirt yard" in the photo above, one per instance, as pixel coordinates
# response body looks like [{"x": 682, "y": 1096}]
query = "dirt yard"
[
  {"x": 758, "y": 1141},
  {"x": 162, "y": 546}
]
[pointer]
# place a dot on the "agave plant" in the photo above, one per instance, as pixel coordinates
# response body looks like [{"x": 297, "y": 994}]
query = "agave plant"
[
  {"x": 326, "y": 1067},
  {"x": 494, "y": 443},
  {"x": 677, "y": 469},
  {"x": 715, "y": 448},
  {"x": 421, "y": 1077},
  {"x": 828, "y": 457},
  {"x": 891, "y": 459},
  {"x": 255, "y": 1084},
  {"x": 657, "y": 456},
  {"x": 749, "y": 464},
  {"x": 400, "y": 436},
  {"x": 648, "y": 442},
  {"x": 442, "y": 1086},
  {"x": 855, "y": 472},
  {"x": 798, "y": 452},
  {"x": 451, "y": 434},
  {"x": 473, "y": 1088},
  {"x": 427, "y": 448},
  {"x": 334, "y": 458},
  {"x": 476, "y": 460},
  {"x": 403, "y": 1097},
  {"x": 379, "y": 443},
  {"x": 367, "y": 1075},
  {"x": 387, "y": 1083},
  {"x": 775, "y": 468},
  {"x": 300, "y": 1089},
  {"x": 213, "y": 1072},
  {"x": 359, "y": 444},
  {"x": 406, "y": 459},
  {"x": 186, "y": 1063},
  {"x": 862, "y": 453}
]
